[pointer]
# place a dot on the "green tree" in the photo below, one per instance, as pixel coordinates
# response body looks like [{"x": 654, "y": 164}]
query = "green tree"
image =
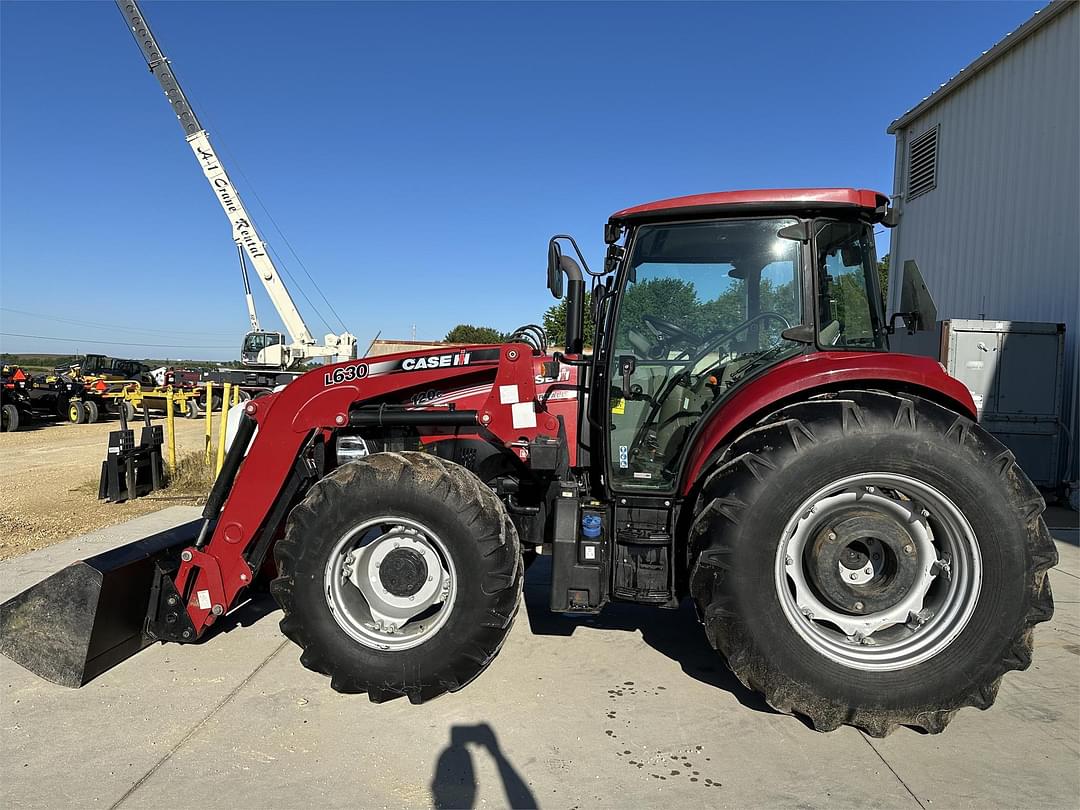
[
  {"x": 669, "y": 299},
  {"x": 467, "y": 333},
  {"x": 883, "y": 278},
  {"x": 555, "y": 322}
]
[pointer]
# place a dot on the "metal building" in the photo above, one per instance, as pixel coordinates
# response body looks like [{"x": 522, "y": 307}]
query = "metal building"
[{"x": 987, "y": 182}]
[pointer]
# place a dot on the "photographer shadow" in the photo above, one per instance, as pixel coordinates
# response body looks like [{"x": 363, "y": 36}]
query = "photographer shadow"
[{"x": 454, "y": 784}]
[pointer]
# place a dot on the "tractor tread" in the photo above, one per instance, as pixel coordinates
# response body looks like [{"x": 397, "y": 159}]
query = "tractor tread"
[
  {"x": 727, "y": 493},
  {"x": 480, "y": 513}
]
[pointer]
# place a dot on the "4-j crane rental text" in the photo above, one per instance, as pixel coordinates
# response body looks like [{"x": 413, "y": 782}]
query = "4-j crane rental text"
[{"x": 261, "y": 348}]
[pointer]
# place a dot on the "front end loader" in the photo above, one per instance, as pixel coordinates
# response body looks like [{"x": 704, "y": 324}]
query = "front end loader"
[{"x": 858, "y": 549}]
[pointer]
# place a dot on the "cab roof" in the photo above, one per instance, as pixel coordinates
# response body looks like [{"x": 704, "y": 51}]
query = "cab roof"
[{"x": 769, "y": 199}]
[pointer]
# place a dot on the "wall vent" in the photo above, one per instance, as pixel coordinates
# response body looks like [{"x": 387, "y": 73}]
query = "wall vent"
[{"x": 922, "y": 164}]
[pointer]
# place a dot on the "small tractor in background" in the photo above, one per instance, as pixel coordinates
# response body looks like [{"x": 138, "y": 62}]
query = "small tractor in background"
[
  {"x": 33, "y": 396},
  {"x": 15, "y": 408},
  {"x": 858, "y": 549}
]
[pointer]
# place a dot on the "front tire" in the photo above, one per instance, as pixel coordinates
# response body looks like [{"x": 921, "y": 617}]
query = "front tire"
[
  {"x": 93, "y": 413},
  {"x": 400, "y": 574},
  {"x": 871, "y": 560}
]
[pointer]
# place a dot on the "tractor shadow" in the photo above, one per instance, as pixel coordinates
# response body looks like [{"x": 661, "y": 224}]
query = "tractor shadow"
[{"x": 676, "y": 634}]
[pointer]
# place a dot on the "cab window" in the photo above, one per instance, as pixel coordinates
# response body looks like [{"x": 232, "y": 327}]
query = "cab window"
[{"x": 849, "y": 304}]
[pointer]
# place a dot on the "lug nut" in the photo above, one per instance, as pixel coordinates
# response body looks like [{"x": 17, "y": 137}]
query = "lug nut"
[
  {"x": 854, "y": 576},
  {"x": 908, "y": 548},
  {"x": 832, "y": 536},
  {"x": 859, "y": 605}
]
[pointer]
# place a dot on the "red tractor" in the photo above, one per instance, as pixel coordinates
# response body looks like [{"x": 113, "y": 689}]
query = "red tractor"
[{"x": 859, "y": 550}]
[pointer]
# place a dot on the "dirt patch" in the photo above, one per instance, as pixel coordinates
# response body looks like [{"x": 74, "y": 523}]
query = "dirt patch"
[{"x": 48, "y": 482}]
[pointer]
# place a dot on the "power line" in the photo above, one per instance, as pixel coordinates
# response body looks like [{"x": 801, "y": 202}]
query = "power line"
[
  {"x": 114, "y": 342},
  {"x": 94, "y": 325},
  {"x": 299, "y": 261},
  {"x": 296, "y": 285}
]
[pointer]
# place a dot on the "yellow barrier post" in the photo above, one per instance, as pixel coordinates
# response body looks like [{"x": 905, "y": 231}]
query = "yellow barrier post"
[
  {"x": 170, "y": 429},
  {"x": 208, "y": 403},
  {"x": 236, "y": 395},
  {"x": 221, "y": 429}
]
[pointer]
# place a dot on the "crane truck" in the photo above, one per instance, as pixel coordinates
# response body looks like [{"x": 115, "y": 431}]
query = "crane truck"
[
  {"x": 858, "y": 549},
  {"x": 262, "y": 350}
]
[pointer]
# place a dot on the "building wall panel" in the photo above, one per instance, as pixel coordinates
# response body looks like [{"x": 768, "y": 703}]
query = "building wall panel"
[{"x": 999, "y": 237}]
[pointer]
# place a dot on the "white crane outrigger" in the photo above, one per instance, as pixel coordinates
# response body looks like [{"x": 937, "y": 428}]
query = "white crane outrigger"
[{"x": 261, "y": 349}]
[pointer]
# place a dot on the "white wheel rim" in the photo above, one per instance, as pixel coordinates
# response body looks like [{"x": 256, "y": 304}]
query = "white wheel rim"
[
  {"x": 926, "y": 618},
  {"x": 361, "y": 603}
]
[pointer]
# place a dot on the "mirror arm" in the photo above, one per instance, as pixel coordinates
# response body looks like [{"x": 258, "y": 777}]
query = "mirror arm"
[{"x": 559, "y": 357}]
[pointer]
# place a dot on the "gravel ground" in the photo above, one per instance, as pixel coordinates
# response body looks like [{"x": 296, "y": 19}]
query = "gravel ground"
[{"x": 49, "y": 477}]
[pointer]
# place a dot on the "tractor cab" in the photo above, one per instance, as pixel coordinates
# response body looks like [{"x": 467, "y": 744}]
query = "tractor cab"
[{"x": 701, "y": 294}]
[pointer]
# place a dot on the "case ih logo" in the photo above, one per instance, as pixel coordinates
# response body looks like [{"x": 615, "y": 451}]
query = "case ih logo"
[
  {"x": 438, "y": 361},
  {"x": 346, "y": 374}
]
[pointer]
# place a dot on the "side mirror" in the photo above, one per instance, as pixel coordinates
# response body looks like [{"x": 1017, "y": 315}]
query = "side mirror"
[
  {"x": 851, "y": 255},
  {"x": 554, "y": 269},
  {"x": 917, "y": 305}
]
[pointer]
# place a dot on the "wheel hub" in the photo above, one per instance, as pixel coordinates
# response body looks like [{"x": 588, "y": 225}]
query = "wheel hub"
[
  {"x": 862, "y": 561},
  {"x": 403, "y": 572}
]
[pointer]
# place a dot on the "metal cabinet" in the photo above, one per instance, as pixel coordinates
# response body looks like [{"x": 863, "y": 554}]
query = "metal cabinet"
[{"x": 1014, "y": 370}]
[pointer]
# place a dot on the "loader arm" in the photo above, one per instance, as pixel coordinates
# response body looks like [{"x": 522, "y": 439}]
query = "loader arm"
[{"x": 254, "y": 491}]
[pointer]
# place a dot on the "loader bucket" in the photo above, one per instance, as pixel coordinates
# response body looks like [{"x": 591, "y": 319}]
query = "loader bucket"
[{"x": 90, "y": 616}]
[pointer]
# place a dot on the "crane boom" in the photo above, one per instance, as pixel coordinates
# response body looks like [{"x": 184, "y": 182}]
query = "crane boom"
[{"x": 244, "y": 232}]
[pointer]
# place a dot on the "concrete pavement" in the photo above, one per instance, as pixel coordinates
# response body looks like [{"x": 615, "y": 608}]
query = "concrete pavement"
[{"x": 630, "y": 709}]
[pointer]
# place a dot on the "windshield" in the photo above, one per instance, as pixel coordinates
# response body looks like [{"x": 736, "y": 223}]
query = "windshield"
[
  {"x": 257, "y": 341},
  {"x": 703, "y": 307}
]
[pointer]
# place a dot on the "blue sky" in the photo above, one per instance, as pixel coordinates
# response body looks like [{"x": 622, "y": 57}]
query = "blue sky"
[{"x": 416, "y": 156}]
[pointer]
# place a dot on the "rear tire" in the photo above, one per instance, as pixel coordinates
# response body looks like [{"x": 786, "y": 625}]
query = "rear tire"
[
  {"x": 129, "y": 411},
  {"x": 437, "y": 507},
  {"x": 769, "y": 578},
  {"x": 10, "y": 418},
  {"x": 93, "y": 413},
  {"x": 191, "y": 410}
]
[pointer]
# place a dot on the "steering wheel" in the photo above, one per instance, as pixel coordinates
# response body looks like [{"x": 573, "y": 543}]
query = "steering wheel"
[
  {"x": 671, "y": 331},
  {"x": 715, "y": 339}
]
